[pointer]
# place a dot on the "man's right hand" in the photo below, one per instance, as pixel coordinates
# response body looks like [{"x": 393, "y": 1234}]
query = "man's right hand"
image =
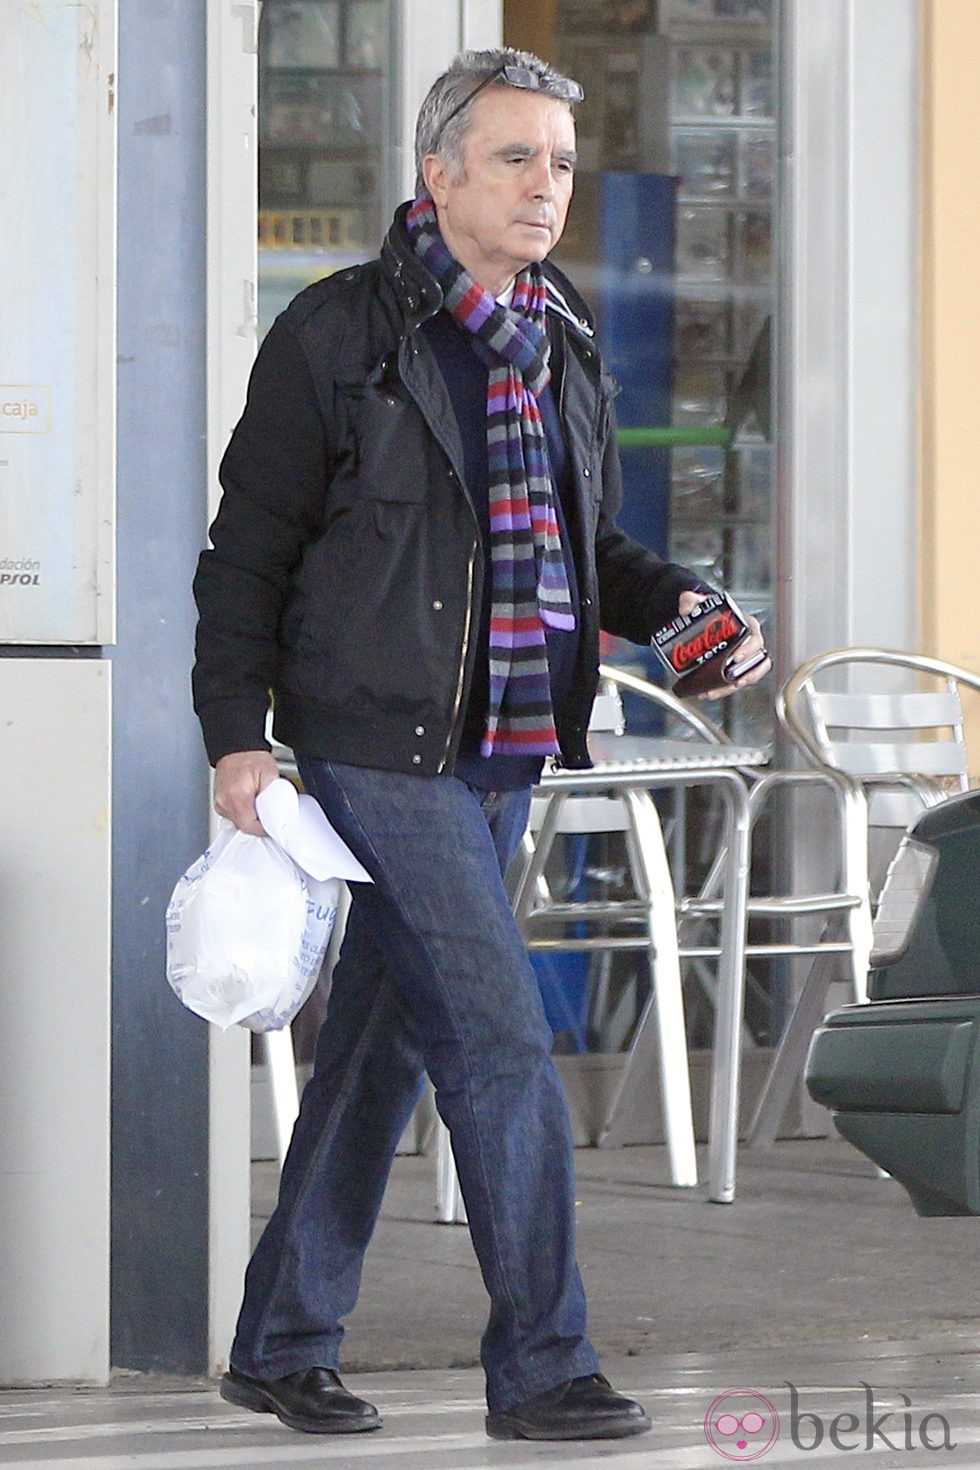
[{"x": 238, "y": 779}]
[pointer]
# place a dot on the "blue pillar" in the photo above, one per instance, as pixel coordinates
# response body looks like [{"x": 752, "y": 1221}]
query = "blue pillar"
[
  {"x": 636, "y": 329},
  {"x": 160, "y": 1052},
  {"x": 637, "y": 237}
]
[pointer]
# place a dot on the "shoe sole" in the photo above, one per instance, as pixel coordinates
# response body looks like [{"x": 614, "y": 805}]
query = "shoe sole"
[
  {"x": 500, "y": 1426},
  {"x": 244, "y": 1396}
]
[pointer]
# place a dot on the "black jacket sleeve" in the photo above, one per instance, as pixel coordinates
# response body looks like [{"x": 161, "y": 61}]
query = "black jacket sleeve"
[{"x": 274, "y": 476}]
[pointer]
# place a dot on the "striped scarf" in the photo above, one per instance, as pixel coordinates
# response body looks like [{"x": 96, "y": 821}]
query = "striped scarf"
[{"x": 529, "y": 586}]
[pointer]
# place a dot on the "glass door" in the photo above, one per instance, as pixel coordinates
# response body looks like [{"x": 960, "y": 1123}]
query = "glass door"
[
  {"x": 671, "y": 239},
  {"x": 326, "y": 89}
]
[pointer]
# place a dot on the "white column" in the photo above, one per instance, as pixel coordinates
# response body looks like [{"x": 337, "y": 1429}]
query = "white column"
[
  {"x": 482, "y": 24},
  {"x": 232, "y": 175},
  {"x": 848, "y": 475},
  {"x": 884, "y": 351},
  {"x": 55, "y": 825},
  {"x": 431, "y": 32}
]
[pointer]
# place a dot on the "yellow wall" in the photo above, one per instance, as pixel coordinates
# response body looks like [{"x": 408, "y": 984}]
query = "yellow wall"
[
  {"x": 530, "y": 26},
  {"x": 950, "y": 324}
]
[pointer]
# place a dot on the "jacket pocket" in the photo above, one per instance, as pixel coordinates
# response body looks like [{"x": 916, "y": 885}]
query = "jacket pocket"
[{"x": 386, "y": 434}]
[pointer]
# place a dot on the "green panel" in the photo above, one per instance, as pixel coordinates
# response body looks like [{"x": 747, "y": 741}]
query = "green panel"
[
  {"x": 904, "y": 1082},
  {"x": 905, "y": 1068},
  {"x": 933, "y": 1156},
  {"x": 943, "y": 955}
]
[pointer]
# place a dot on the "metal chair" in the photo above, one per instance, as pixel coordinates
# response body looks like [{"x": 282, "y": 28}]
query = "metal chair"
[
  {"x": 685, "y": 927},
  {"x": 893, "y": 723},
  {"x": 843, "y": 900},
  {"x": 656, "y": 919},
  {"x": 897, "y": 724}
]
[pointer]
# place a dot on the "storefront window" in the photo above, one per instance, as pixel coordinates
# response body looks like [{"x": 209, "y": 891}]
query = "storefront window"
[
  {"x": 325, "y": 127},
  {"x": 671, "y": 238}
]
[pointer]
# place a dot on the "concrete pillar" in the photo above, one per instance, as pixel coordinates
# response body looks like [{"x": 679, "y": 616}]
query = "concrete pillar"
[{"x": 160, "y": 1053}]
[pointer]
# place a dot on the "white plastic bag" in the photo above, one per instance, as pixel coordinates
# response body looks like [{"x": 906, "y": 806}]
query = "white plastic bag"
[{"x": 247, "y": 930}]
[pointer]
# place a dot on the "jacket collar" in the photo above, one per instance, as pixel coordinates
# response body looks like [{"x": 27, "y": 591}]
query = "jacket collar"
[
  {"x": 420, "y": 294},
  {"x": 418, "y": 291}
]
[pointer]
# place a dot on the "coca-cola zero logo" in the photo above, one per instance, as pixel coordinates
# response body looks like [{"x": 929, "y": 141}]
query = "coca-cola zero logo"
[{"x": 715, "y": 634}]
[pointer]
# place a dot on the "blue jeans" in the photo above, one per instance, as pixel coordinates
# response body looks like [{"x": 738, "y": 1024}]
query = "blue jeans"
[{"x": 432, "y": 977}]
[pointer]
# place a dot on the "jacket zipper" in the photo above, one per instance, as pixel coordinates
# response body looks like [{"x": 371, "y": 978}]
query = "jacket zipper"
[
  {"x": 468, "y": 623},
  {"x": 557, "y": 761},
  {"x": 464, "y": 652}
]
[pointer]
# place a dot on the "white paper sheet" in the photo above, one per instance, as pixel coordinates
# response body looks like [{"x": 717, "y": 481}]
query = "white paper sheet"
[{"x": 300, "y": 827}]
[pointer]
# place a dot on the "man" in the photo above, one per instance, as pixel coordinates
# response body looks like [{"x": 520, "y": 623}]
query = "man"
[{"x": 413, "y": 551}]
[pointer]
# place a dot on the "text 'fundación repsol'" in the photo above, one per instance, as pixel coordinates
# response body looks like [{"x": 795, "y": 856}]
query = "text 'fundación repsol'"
[{"x": 23, "y": 573}]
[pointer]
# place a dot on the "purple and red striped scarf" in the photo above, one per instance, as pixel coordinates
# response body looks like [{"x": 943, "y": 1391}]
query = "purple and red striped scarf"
[{"x": 529, "y": 586}]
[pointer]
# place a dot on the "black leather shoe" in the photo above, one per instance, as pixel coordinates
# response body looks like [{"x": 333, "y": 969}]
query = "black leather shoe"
[
  {"x": 313, "y": 1400},
  {"x": 583, "y": 1408}
]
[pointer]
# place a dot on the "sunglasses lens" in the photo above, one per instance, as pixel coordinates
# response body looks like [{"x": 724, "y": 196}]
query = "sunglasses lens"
[
  {"x": 530, "y": 81},
  {"x": 752, "y": 1423},
  {"x": 521, "y": 76},
  {"x": 727, "y": 1424}
]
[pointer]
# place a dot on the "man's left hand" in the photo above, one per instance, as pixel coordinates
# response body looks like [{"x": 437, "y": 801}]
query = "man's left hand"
[{"x": 687, "y": 602}]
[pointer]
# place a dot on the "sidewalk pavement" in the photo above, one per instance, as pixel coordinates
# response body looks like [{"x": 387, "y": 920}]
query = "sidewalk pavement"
[
  {"x": 816, "y": 1247},
  {"x": 818, "y": 1300}
]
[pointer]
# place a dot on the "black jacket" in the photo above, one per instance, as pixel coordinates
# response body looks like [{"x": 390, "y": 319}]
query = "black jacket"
[{"x": 347, "y": 569}]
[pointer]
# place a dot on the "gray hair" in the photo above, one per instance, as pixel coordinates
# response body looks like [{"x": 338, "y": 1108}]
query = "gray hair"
[{"x": 441, "y": 128}]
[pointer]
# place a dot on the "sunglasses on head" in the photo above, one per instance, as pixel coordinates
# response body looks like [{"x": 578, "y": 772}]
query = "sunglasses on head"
[{"x": 562, "y": 88}]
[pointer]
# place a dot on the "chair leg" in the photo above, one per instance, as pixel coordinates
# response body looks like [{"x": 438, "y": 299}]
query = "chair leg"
[
  {"x": 856, "y": 879},
  {"x": 666, "y": 1006},
  {"x": 787, "y": 1064},
  {"x": 450, "y": 1209},
  {"x": 531, "y": 881},
  {"x": 859, "y": 928},
  {"x": 281, "y": 1061},
  {"x": 723, "y": 1116}
]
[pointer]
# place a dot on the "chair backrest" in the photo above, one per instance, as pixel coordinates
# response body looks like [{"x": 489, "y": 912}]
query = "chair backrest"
[
  {"x": 894, "y": 720},
  {"x": 682, "y": 718}
]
